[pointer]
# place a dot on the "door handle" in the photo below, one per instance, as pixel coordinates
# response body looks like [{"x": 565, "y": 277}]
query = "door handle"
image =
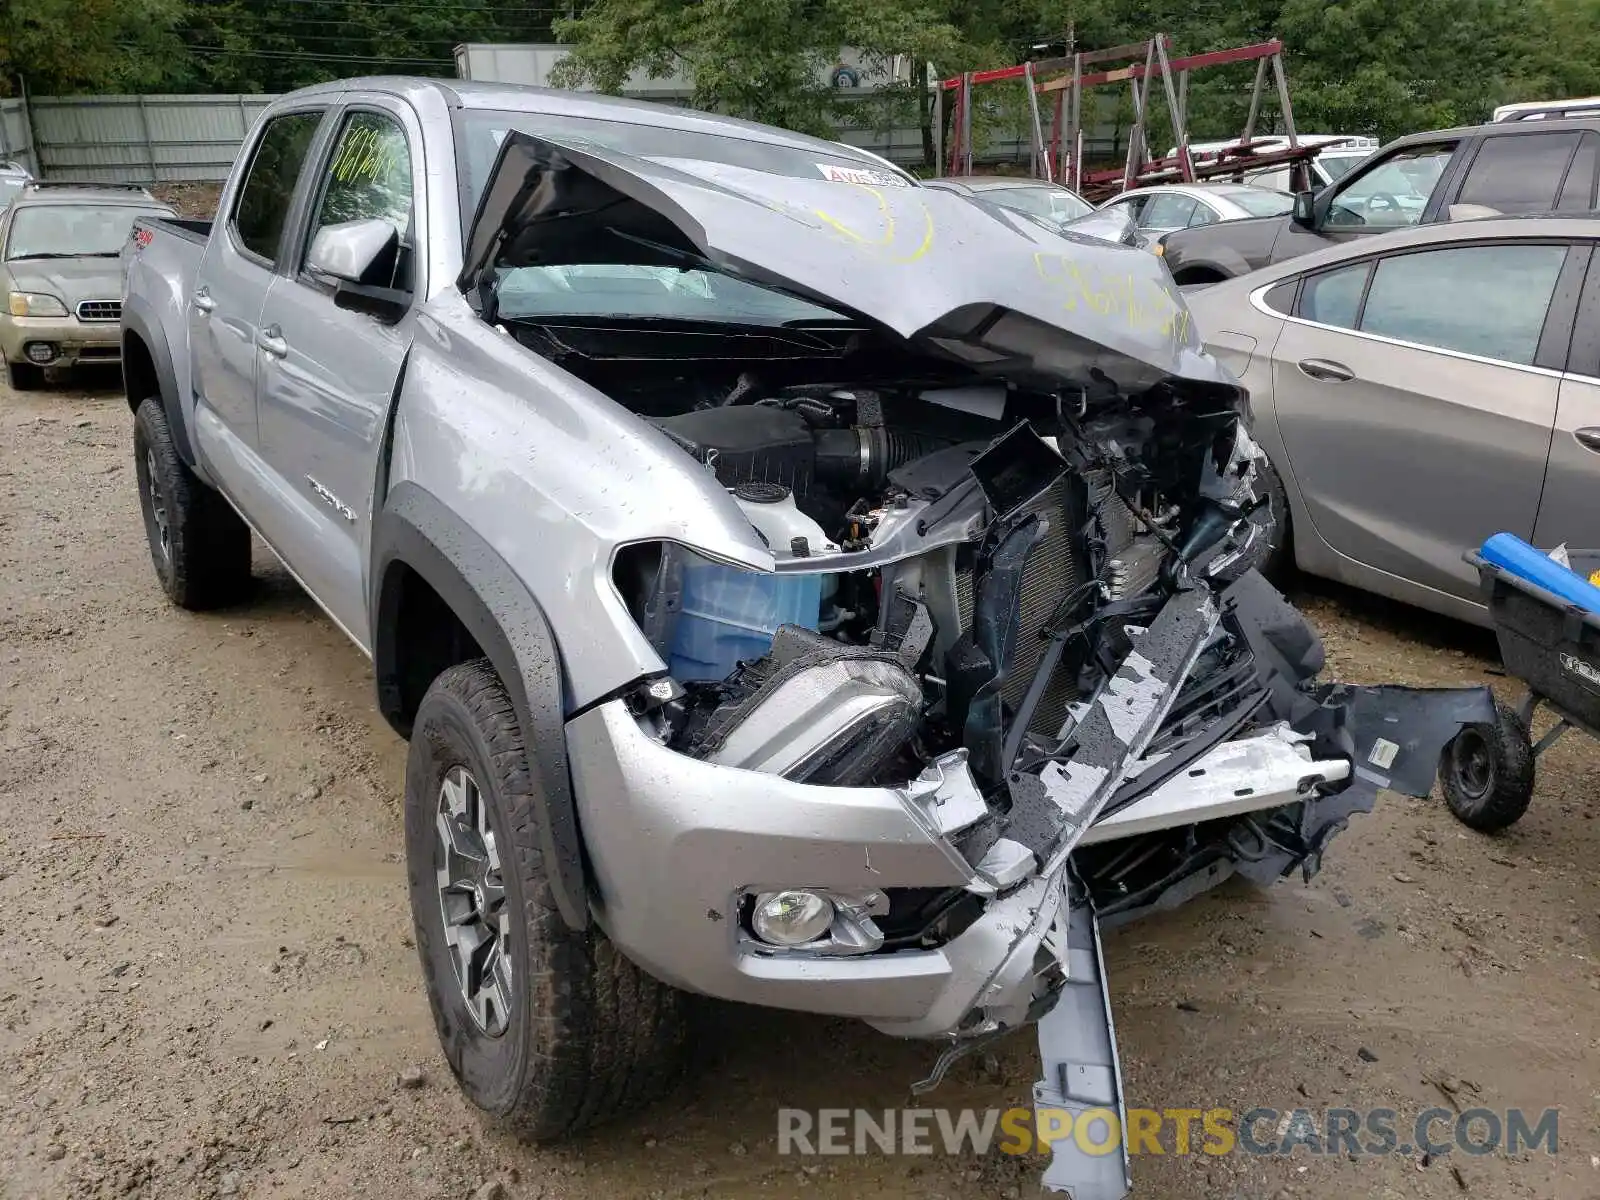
[
  {"x": 1326, "y": 370},
  {"x": 1588, "y": 438},
  {"x": 202, "y": 301},
  {"x": 271, "y": 340}
]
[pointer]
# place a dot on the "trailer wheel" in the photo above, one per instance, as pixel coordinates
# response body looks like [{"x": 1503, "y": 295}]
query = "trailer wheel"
[{"x": 1486, "y": 772}]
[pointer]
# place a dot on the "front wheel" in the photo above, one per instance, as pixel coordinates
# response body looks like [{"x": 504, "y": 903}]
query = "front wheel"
[
  {"x": 548, "y": 1028},
  {"x": 1487, "y": 772}
]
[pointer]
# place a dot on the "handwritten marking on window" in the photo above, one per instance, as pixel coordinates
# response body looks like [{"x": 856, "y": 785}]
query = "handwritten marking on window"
[{"x": 368, "y": 154}]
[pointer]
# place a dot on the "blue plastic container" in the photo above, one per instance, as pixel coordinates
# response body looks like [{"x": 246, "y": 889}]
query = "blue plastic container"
[
  {"x": 729, "y": 615},
  {"x": 1511, "y": 553}
]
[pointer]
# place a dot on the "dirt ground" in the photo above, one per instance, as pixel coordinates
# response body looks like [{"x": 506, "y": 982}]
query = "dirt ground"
[{"x": 208, "y": 986}]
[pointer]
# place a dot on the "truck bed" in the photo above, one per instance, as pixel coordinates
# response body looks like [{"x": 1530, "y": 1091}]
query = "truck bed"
[
  {"x": 192, "y": 231},
  {"x": 159, "y": 262}
]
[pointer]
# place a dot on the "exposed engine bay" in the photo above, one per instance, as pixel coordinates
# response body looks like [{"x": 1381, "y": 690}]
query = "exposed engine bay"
[
  {"x": 1010, "y": 509},
  {"x": 962, "y": 569},
  {"x": 1046, "y": 587}
]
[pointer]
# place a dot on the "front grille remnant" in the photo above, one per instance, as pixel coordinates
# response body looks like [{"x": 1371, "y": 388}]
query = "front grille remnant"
[{"x": 100, "y": 310}]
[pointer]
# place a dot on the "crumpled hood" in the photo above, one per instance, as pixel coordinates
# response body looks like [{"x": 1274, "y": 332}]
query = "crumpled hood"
[
  {"x": 70, "y": 280},
  {"x": 996, "y": 291}
]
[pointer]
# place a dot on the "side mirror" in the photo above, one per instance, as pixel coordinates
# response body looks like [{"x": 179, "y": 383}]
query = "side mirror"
[
  {"x": 349, "y": 250},
  {"x": 1305, "y": 211},
  {"x": 350, "y": 253}
]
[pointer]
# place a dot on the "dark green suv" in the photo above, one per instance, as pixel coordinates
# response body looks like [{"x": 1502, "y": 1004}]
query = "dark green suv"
[{"x": 1450, "y": 175}]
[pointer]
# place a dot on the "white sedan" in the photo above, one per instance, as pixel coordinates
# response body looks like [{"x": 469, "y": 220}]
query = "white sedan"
[{"x": 1164, "y": 208}]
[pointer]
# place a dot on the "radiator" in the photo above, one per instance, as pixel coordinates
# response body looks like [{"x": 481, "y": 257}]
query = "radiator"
[{"x": 1053, "y": 570}]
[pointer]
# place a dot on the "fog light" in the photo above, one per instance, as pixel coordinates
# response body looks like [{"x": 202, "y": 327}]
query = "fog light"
[
  {"x": 40, "y": 352},
  {"x": 791, "y": 918}
]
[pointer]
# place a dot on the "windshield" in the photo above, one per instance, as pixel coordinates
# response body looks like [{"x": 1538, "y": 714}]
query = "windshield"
[
  {"x": 72, "y": 230},
  {"x": 1053, "y": 203},
  {"x": 482, "y": 131},
  {"x": 1261, "y": 202}
]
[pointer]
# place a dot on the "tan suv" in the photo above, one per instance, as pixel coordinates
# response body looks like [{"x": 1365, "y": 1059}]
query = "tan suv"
[{"x": 60, "y": 273}]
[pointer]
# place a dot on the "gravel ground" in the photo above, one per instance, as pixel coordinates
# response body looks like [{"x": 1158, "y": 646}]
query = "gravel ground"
[{"x": 208, "y": 986}]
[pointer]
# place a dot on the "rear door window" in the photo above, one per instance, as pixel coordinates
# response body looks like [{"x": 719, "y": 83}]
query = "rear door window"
[
  {"x": 1489, "y": 301},
  {"x": 263, "y": 203},
  {"x": 1520, "y": 173}
]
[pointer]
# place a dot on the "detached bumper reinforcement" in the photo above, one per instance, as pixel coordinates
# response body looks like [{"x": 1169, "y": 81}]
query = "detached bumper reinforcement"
[{"x": 1082, "y": 1074}]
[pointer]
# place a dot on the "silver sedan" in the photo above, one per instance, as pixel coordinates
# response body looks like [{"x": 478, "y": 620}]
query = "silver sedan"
[
  {"x": 1418, "y": 391},
  {"x": 1167, "y": 207}
]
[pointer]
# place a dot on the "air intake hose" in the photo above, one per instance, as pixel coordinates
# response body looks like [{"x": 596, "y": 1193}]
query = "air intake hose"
[{"x": 866, "y": 454}]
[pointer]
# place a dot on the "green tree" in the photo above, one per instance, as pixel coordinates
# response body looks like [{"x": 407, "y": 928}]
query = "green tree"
[
  {"x": 58, "y": 46},
  {"x": 278, "y": 45},
  {"x": 763, "y": 59}
]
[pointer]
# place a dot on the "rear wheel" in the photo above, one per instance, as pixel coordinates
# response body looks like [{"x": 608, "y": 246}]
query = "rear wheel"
[
  {"x": 546, "y": 1027},
  {"x": 199, "y": 546},
  {"x": 25, "y": 377},
  {"x": 1487, "y": 772}
]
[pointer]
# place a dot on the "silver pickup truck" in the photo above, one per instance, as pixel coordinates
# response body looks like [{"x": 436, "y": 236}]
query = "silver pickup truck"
[{"x": 797, "y": 586}]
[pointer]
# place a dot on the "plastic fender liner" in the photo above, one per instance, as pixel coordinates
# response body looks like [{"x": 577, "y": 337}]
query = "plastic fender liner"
[
  {"x": 417, "y": 530},
  {"x": 1398, "y": 733}
]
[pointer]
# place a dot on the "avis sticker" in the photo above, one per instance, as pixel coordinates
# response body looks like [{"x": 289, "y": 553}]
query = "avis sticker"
[
  {"x": 860, "y": 175},
  {"x": 1383, "y": 752}
]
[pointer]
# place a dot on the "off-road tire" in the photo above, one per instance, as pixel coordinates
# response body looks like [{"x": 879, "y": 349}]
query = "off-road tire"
[
  {"x": 206, "y": 559},
  {"x": 24, "y": 377},
  {"x": 1269, "y": 554},
  {"x": 1487, "y": 772},
  {"x": 589, "y": 1036}
]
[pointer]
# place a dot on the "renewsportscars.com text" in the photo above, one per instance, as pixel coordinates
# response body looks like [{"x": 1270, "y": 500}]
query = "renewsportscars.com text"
[{"x": 1178, "y": 1131}]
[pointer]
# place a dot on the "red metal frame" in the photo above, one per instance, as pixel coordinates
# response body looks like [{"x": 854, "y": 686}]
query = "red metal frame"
[{"x": 1060, "y": 155}]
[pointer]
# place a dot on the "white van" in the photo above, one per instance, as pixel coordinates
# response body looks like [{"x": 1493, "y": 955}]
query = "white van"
[{"x": 1538, "y": 110}]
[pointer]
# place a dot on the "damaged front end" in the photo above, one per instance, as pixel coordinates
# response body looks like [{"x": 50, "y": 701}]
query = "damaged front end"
[{"x": 1005, "y": 681}]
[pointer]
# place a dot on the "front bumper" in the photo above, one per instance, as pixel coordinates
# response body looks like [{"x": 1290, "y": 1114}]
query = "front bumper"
[
  {"x": 674, "y": 841},
  {"x": 74, "y": 341}
]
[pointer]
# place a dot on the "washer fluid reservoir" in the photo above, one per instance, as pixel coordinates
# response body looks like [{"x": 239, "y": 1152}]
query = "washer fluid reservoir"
[{"x": 729, "y": 614}]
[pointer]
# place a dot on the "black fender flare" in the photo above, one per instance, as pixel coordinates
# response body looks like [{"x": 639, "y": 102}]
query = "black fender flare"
[
  {"x": 139, "y": 321},
  {"x": 415, "y": 529}
]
